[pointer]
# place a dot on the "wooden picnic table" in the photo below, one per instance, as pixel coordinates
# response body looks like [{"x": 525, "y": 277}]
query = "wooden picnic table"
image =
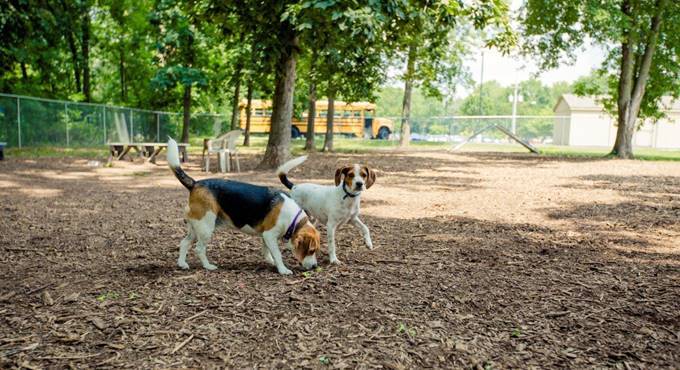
[
  {"x": 149, "y": 150},
  {"x": 2, "y": 150}
]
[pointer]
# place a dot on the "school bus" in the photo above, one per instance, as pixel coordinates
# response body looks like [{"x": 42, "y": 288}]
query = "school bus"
[{"x": 354, "y": 119}]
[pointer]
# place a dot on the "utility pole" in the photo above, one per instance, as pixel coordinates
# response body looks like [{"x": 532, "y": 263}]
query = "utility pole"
[
  {"x": 481, "y": 84},
  {"x": 514, "y": 109}
]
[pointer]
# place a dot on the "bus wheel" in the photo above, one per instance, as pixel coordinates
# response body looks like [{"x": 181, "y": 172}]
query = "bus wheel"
[
  {"x": 294, "y": 132},
  {"x": 383, "y": 133}
]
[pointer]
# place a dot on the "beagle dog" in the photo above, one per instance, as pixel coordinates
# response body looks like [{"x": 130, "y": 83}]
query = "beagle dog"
[
  {"x": 252, "y": 209},
  {"x": 332, "y": 205}
]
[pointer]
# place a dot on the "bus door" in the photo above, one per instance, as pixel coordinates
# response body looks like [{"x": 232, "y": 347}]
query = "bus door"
[{"x": 368, "y": 124}]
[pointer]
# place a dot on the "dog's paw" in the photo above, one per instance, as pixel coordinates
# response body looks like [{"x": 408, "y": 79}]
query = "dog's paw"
[
  {"x": 210, "y": 267},
  {"x": 285, "y": 271},
  {"x": 369, "y": 245},
  {"x": 335, "y": 261},
  {"x": 183, "y": 265}
]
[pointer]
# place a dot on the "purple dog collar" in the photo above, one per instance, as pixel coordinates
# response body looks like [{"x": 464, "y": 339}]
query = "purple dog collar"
[{"x": 291, "y": 228}]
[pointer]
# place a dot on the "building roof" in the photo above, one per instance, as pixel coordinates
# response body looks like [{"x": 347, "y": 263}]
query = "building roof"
[{"x": 591, "y": 103}]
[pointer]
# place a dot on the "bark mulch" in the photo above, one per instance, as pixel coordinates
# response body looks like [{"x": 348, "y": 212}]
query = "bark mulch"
[{"x": 482, "y": 261}]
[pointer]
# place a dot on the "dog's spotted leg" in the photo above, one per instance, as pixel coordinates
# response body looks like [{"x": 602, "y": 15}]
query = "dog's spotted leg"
[
  {"x": 184, "y": 248},
  {"x": 270, "y": 240},
  {"x": 267, "y": 256},
  {"x": 330, "y": 230},
  {"x": 201, "y": 247},
  {"x": 203, "y": 229},
  {"x": 363, "y": 229}
]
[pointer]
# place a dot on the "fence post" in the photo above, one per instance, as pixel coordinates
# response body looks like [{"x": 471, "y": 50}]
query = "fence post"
[
  {"x": 104, "y": 121},
  {"x": 66, "y": 115},
  {"x": 132, "y": 126},
  {"x": 158, "y": 127},
  {"x": 19, "y": 120}
]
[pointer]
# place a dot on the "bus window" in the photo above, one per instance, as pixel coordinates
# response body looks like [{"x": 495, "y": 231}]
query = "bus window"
[
  {"x": 323, "y": 113},
  {"x": 337, "y": 114},
  {"x": 368, "y": 114},
  {"x": 357, "y": 114},
  {"x": 269, "y": 112},
  {"x": 259, "y": 112},
  {"x": 347, "y": 114}
]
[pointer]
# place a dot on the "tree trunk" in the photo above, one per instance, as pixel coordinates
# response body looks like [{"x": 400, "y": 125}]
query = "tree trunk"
[
  {"x": 249, "y": 110},
  {"x": 278, "y": 145},
  {"x": 24, "y": 73},
  {"x": 123, "y": 76},
  {"x": 311, "y": 110},
  {"x": 405, "y": 138},
  {"x": 186, "y": 105},
  {"x": 633, "y": 81},
  {"x": 74, "y": 60},
  {"x": 235, "y": 113},
  {"x": 86, "y": 54},
  {"x": 330, "y": 117},
  {"x": 311, "y": 117}
]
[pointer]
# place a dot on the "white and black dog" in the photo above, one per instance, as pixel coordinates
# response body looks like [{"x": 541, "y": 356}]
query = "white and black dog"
[
  {"x": 332, "y": 205},
  {"x": 253, "y": 209}
]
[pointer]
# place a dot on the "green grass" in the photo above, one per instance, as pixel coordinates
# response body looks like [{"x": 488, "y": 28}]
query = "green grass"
[
  {"x": 56, "y": 152},
  {"x": 350, "y": 145},
  {"x": 645, "y": 154}
]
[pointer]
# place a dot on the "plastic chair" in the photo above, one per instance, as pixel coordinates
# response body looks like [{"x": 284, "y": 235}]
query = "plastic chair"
[{"x": 225, "y": 148}]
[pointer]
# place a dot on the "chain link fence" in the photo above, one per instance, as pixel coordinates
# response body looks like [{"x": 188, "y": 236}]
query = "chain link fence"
[
  {"x": 457, "y": 129},
  {"x": 29, "y": 122}
]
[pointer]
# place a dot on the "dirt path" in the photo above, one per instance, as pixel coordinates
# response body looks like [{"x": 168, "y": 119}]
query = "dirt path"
[{"x": 482, "y": 260}]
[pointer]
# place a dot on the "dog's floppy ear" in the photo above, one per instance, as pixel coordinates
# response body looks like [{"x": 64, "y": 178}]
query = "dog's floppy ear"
[
  {"x": 370, "y": 178},
  {"x": 339, "y": 172}
]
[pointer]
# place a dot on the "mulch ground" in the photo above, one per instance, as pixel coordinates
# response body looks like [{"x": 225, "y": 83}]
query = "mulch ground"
[{"x": 481, "y": 261}]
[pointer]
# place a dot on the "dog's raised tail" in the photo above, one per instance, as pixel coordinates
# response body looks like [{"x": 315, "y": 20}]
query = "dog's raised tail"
[
  {"x": 283, "y": 170},
  {"x": 173, "y": 162}
]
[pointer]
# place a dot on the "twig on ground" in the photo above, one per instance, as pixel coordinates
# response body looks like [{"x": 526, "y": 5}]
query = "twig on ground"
[{"x": 182, "y": 344}]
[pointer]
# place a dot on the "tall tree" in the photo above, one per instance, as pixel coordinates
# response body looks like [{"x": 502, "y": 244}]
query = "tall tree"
[
  {"x": 433, "y": 58},
  {"x": 85, "y": 47},
  {"x": 642, "y": 38},
  {"x": 311, "y": 101},
  {"x": 179, "y": 43}
]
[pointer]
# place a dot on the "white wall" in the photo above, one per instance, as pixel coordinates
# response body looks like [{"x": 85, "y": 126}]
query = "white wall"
[
  {"x": 591, "y": 129},
  {"x": 561, "y": 127},
  {"x": 668, "y": 132}
]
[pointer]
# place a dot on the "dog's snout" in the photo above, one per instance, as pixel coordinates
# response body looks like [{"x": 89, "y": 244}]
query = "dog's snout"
[{"x": 359, "y": 184}]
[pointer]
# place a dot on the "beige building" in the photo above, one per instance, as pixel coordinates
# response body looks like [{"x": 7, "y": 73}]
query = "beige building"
[{"x": 582, "y": 121}]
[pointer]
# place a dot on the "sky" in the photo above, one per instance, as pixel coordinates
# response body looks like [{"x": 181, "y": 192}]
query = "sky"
[{"x": 507, "y": 69}]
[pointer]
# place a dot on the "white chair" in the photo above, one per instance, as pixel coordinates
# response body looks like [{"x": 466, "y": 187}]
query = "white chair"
[
  {"x": 231, "y": 139},
  {"x": 225, "y": 148}
]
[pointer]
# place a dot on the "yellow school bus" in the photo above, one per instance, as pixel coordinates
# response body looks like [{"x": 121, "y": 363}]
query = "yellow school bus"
[{"x": 355, "y": 119}]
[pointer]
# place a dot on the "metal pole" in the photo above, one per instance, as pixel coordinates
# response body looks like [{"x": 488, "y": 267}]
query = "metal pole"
[
  {"x": 158, "y": 127},
  {"x": 104, "y": 122},
  {"x": 481, "y": 89},
  {"x": 514, "y": 109},
  {"x": 19, "y": 120},
  {"x": 132, "y": 127},
  {"x": 481, "y": 85},
  {"x": 66, "y": 115}
]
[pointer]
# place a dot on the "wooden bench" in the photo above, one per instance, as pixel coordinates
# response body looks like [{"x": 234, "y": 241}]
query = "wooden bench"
[
  {"x": 149, "y": 150},
  {"x": 2, "y": 150}
]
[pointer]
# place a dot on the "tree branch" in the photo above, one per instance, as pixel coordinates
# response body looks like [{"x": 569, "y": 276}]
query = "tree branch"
[
  {"x": 650, "y": 47},
  {"x": 627, "y": 56}
]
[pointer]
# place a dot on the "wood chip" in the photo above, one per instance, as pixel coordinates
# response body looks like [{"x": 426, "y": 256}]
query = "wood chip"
[{"x": 47, "y": 299}]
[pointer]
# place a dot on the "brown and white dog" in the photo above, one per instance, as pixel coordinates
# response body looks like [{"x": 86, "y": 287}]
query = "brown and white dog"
[
  {"x": 332, "y": 205},
  {"x": 252, "y": 209}
]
